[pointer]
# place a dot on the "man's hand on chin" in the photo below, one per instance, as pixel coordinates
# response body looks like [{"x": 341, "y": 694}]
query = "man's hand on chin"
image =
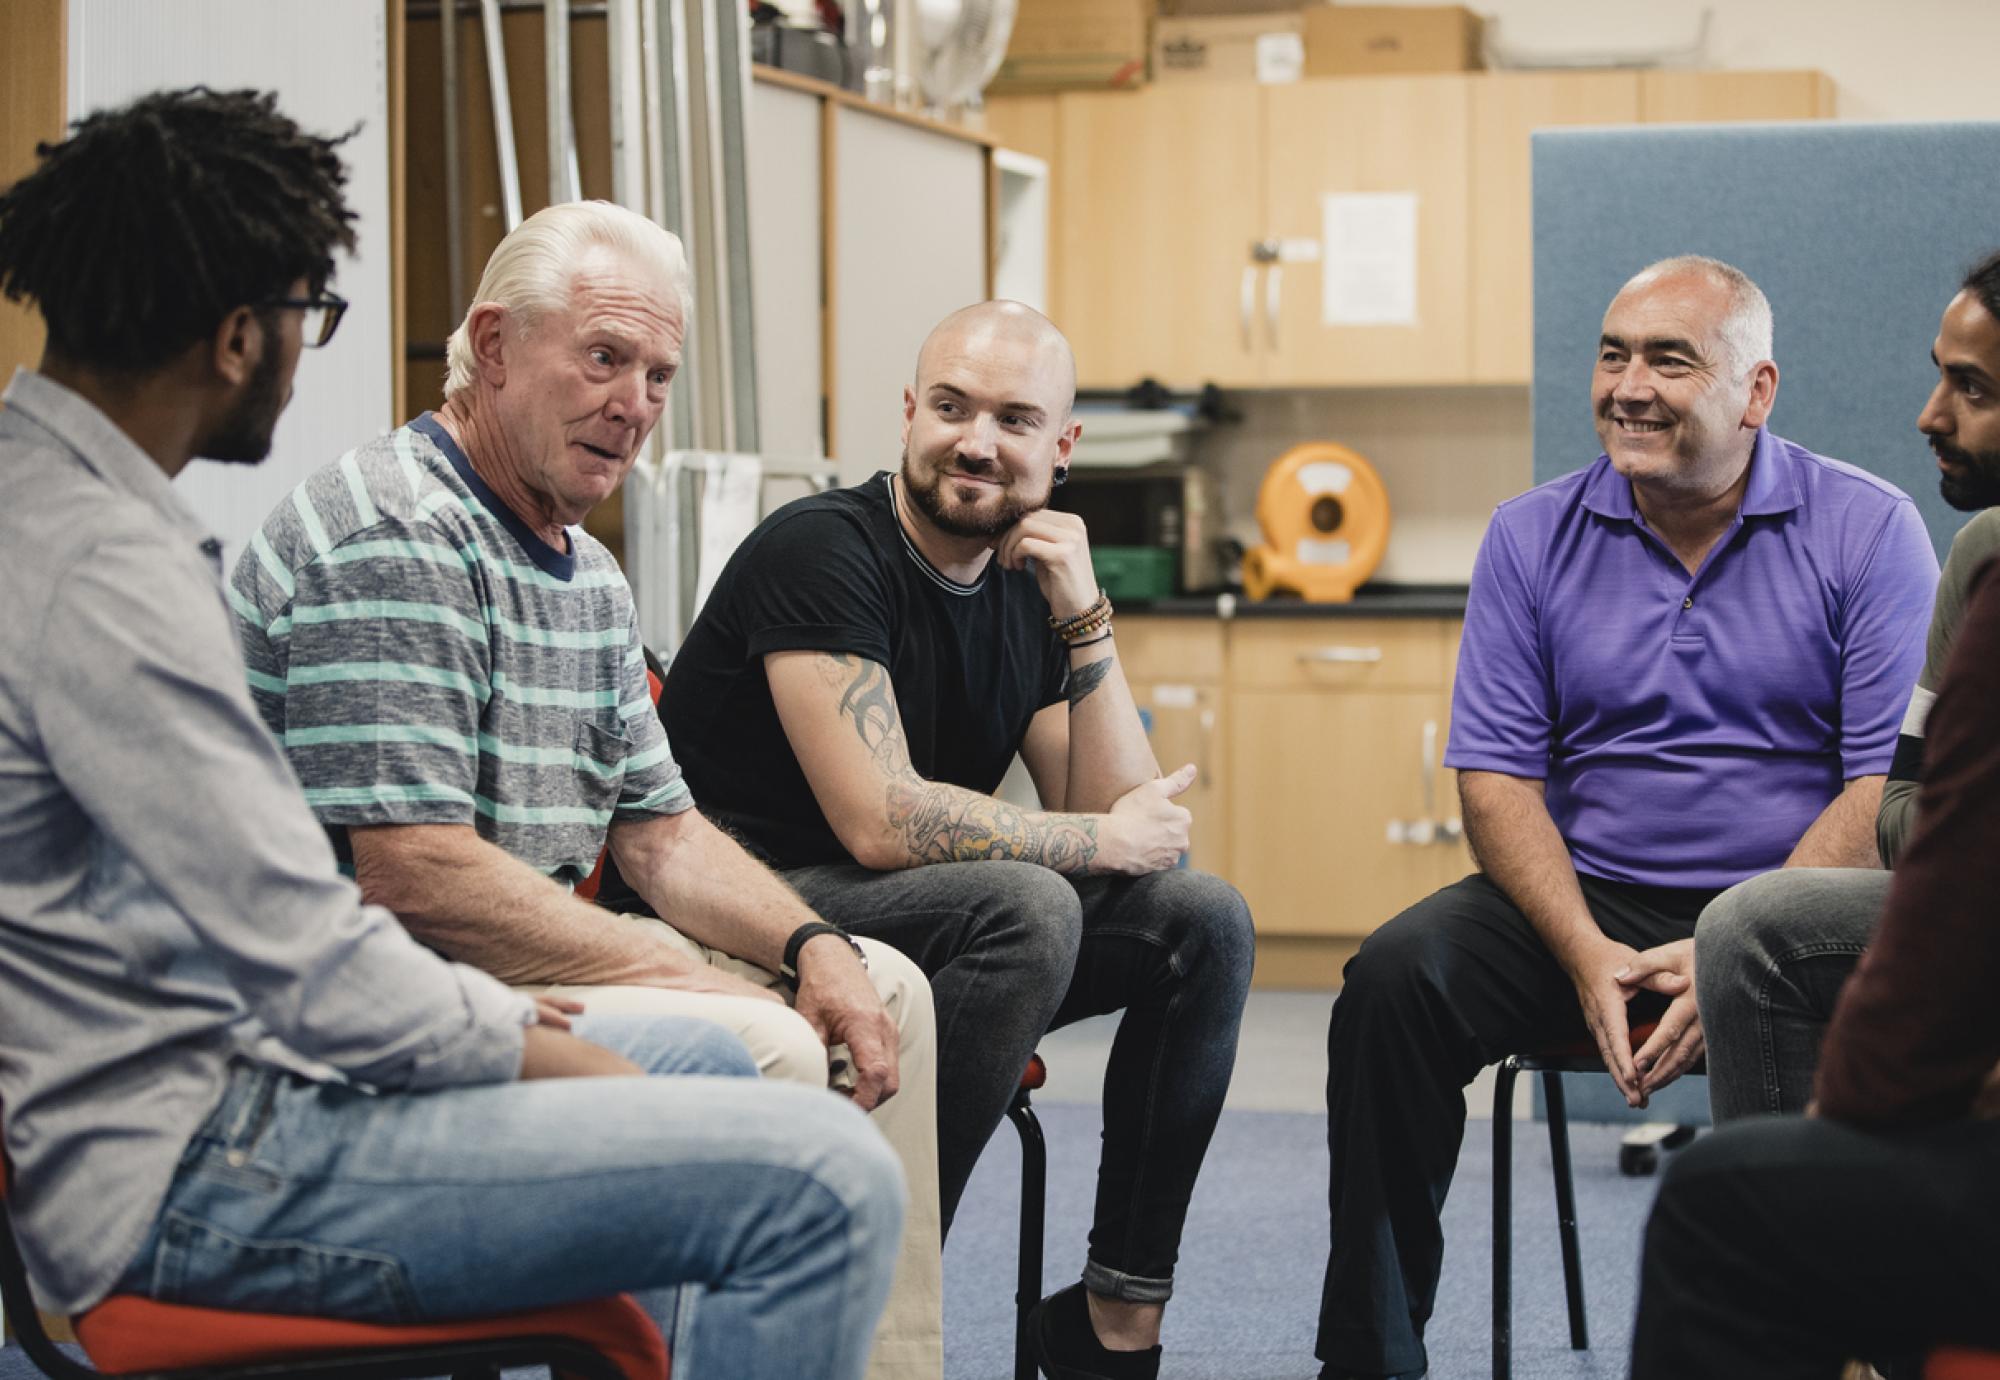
[{"x": 1060, "y": 549}]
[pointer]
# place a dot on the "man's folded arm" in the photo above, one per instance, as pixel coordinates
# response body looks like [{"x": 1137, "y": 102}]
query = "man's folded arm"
[{"x": 840, "y": 715}]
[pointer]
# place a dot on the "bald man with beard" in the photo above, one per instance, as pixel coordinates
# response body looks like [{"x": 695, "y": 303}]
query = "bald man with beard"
[{"x": 867, "y": 667}]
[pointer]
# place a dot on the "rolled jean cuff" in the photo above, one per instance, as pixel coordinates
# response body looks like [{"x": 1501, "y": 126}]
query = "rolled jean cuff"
[{"x": 1108, "y": 1283}]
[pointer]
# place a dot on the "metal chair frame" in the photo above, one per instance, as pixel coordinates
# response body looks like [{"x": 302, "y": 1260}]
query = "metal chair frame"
[
  {"x": 1551, "y": 1065},
  {"x": 1034, "y": 1197}
]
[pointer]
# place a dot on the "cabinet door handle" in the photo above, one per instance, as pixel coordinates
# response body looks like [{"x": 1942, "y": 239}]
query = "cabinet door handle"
[
  {"x": 1273, "y": 294},
  {"x": 1345, "y": 656},
  {"x": 1247, "y": 304}
]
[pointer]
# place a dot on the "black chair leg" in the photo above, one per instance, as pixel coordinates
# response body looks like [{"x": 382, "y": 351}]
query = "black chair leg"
[
  {"x": 1572, "y": 1250},
  {"x": 1503, "y": 1211},
  {"x": 1034, "y": 1193}
]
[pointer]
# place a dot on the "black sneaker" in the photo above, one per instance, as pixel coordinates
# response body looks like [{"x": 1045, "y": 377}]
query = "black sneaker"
[{"x": 1065, "y": 1345}]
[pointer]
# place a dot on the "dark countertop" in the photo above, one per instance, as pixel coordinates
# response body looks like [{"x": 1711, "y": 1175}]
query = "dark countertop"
[{"x": 1370, "y": 601}]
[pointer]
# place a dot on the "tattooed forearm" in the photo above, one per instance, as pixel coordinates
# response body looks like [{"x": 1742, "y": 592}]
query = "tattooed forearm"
[
  {"x": 1086, "y": 678},
  {"x": 935, "y": 822},
  {"x": 941, "y": 823}
]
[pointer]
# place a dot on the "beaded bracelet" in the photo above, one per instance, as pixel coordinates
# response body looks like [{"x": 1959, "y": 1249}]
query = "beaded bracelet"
[
  {"x": 1104, "y": 636},
  {"x": 1085, "y": 623}
]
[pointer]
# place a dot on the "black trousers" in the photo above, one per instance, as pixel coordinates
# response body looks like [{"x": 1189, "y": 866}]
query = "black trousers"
[
  {"x": 1781, "y": 1248},
  {"x": 1454, "y": 983}
]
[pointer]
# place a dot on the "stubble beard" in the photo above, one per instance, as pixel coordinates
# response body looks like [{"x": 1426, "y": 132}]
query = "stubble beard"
[
  {"x": 925, "y": 486},
  {"x": 1977, "y": 486},
  {"x": 244, "y": 437}
]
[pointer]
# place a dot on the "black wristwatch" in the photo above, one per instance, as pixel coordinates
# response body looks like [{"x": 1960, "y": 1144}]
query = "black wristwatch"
[{"x": 788, "y": 966}]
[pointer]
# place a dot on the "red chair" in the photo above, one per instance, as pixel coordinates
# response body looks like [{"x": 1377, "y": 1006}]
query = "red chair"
[
  {"x": 1552, "y": 1062},
  {"x": 1962, "y": 1363},
  {"x": 606, "y": 1339}
]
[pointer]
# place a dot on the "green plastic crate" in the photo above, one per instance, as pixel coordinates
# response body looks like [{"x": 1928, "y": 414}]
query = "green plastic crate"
[{"x": 1134, "y": 572}]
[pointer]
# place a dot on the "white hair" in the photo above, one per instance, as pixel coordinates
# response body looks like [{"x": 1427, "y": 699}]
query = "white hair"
[
  {"x": 531, "y": 270},
  {"x": 1746, "y": 331}
]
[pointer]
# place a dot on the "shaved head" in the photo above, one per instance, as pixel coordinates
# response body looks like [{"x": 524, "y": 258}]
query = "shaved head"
[
  {"x": 987, "y": 426},
  {"x": 985, "y": 327}
]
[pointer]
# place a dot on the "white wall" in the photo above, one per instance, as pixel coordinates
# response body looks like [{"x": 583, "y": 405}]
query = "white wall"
[
  {"x": 327, "y": 60},
  {"x": 1892, "y": 59}
]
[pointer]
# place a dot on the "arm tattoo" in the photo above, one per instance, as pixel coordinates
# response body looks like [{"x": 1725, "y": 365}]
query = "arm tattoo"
[
  {"x": 938, "y": 822},
  {"x": 1084, "y": 679}
]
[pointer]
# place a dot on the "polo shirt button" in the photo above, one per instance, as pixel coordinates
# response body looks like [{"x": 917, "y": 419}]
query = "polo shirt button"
[{"x": 1688, "y": 602}]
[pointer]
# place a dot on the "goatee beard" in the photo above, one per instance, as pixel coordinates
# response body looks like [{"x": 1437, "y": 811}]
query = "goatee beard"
[{"x": 926, "y": 492}]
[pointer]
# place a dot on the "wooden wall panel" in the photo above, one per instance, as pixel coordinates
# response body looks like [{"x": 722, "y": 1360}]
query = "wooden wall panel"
[{"x": 33, "y": 61}]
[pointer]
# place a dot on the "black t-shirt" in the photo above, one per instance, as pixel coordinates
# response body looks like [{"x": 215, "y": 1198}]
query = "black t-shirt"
[{"x": 971, "y": 664}]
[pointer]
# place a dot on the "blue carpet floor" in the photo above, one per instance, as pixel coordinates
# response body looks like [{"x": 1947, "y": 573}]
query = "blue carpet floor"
[
  {"x": 1248, "y": 1283},
  {"x": 1247, "y": 1291}
]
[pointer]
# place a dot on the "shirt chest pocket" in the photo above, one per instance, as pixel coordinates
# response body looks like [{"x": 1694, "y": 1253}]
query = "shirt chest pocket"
[{"x": 600, "y": 757}]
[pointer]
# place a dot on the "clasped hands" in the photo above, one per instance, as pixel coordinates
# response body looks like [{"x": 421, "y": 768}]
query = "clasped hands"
[{"x": 1607, "y": 976}]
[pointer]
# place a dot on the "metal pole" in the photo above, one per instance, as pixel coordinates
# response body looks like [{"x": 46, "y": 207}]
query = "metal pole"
[
  {"x": 454, "y": 194},
  {"x": 503, "y": 110},
  {"x": 561, "y": 121}
]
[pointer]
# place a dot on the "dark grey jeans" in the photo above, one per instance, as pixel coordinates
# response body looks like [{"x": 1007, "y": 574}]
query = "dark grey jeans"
[
  {"x": 1770, "y": 956},
  {"x": 1012, "y": 951}
]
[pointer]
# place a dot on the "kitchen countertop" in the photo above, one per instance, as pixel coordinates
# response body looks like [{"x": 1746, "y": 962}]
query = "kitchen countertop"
[{"x": 1370, "y": 601}]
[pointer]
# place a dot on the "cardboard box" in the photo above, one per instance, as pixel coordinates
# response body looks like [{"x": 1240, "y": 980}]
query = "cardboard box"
[
  {"x": 1363, "y": 40},
  {"x": 1246, "y": 47},
  {"x": 1066, "y": 44}
]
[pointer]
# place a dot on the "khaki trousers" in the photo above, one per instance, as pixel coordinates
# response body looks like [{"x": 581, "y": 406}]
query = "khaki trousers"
[{"x": 909, "y": 1343}]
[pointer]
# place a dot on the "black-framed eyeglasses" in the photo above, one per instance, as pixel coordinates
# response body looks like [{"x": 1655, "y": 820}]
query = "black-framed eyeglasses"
[{"x": 322, "y": 316}]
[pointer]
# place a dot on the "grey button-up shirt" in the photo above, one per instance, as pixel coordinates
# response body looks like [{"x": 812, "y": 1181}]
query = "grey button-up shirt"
[{"x": 167, "y": 900}]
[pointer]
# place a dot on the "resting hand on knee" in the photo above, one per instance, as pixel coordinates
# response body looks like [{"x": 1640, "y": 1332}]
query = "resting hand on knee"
[
  {"x": 1677, "y": 1041},
  {"x": 837, "y": 998}
]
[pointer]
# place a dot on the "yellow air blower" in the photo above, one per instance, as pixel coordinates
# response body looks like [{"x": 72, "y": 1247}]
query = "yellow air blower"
[{"x": 1325, "y": 517}]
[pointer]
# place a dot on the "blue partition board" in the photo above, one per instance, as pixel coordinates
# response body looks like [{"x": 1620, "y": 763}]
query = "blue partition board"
[{"x": 1858, "y": 233}]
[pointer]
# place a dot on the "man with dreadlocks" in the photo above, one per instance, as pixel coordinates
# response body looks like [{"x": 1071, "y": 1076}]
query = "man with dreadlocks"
[{"x": 226, "y": 1080}]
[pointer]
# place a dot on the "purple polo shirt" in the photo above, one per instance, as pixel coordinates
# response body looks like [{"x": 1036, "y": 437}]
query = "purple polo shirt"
[{"x": 1690, "y": 729}]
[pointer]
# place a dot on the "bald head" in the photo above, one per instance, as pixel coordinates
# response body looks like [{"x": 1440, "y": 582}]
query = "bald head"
[
  {"x": 1742, "y": 317},
  {"x": 1011, "y": 331}
]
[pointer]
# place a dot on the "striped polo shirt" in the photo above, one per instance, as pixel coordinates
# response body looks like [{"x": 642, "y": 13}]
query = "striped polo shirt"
[{"x": 427, "y": 659}]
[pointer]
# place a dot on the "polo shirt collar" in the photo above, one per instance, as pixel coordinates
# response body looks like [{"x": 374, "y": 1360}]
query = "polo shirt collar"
[
  {"x": 1773, "y": 488},
  {"x": 101, "y": 447}
]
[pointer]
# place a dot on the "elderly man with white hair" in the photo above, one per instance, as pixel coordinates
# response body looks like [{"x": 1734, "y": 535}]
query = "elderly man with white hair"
[
  {"x": 455, "y": 670},
  {"x": 1683, "y": 665}
]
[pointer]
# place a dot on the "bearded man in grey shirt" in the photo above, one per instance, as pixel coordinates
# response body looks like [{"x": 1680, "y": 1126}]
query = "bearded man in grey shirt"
[{"x": 225, "y": 1080}]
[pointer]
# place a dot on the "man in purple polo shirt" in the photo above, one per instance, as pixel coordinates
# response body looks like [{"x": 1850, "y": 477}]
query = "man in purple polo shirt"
[{"x": 1682, "y": 666}]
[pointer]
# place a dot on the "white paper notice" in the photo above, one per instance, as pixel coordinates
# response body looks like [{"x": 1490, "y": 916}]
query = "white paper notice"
[{"x": 1370, "y": 274}]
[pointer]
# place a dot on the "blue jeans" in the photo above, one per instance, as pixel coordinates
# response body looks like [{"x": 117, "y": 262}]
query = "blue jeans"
[
  {"x": 781, "y": 1202},
  {"x": 1770, "y": 957},
  {"x": 1014, "y": 950}
]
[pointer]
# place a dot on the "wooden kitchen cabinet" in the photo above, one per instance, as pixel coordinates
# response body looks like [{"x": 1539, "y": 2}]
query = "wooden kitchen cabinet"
[
  {"x": 1366, "y": 134},
  {"x": 1160, "y": 194},
  {"x": 1506, "y": 110},
  {"x": 1175, "y": 669},
  {"x": 1703, "y": 97},
  {"x": 1190, "y": 217},
  {"x": 1331, "y": 724},
  {"x": 1174, "y": 200}
]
